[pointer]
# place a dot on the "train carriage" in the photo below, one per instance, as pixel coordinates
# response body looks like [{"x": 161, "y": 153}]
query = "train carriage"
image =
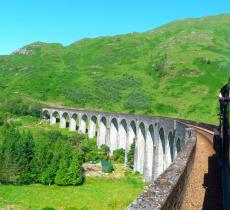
[{"x": 222, "y": 142}]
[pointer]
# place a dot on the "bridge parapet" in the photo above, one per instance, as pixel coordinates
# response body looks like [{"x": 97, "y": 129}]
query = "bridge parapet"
[{"x": 168, "y": 190}]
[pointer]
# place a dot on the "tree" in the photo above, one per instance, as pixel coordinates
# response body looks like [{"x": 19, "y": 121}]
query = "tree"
[
  {"x": 75, "y": 172},
  {"x": 105, "y": 149},
  {"x": 130, "y": 157},
  {"x": 48, "y": 176},
  {"x": 8, "y": 155},
  {"x": 61, "y": 176},
  {"x": 42, "y": 158},
  {"x": 25, "y": 154}
]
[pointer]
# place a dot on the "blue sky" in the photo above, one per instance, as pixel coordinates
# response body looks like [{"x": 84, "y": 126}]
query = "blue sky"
[{"x": 66, "y": 21}]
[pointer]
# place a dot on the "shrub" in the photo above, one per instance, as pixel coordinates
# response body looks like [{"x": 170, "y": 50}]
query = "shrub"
[
  {"x": 137, "y": 100},
  {"x": 119, "y": 155},
  {"x": 164, "y": 108},
  {"x": 54, "y": 135},
  {"x": 104, "y": 151}
]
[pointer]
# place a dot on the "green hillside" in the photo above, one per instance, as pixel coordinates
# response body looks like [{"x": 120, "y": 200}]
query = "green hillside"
[{"x": 175, "y": 70}]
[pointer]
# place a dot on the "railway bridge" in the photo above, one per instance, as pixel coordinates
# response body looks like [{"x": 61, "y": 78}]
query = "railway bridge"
[{"x": 164, "y": 149}]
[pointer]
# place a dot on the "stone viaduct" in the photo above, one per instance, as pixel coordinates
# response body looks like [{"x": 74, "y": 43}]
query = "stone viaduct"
[{"x": 157, "y": 140}]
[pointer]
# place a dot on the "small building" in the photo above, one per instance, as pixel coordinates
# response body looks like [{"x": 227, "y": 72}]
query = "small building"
[{"x": 106, "y": 166}]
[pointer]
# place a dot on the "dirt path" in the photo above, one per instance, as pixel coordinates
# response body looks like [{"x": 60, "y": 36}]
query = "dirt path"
[{"x": 204, "y": 186}]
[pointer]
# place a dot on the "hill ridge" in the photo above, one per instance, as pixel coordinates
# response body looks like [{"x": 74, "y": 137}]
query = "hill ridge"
[{"x": 175, "y": 70}]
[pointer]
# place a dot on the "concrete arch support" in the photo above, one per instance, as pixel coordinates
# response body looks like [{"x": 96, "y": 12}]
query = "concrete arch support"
[
  {"x": 149, "y": 154},
  {"x": 140, "y": 149},
  {"x": 54, "y": 117},
  {"x": 113, "y": 135},
  {"x": 171, "y": 145},
  {"x": 132, "y": 134},
  {"x": 45, "y": 114},
  {"x": 73, "y": 122},
  {"x": 161, "y": 152},
  {"x": 63, "y": 120},
  {"x": 102, "y": 132},
  {"x": 83, "y": 124},
  {"x": 123, "y": 133},
  {"x": 168, "y": 158},
  {"x": 92, "y": 126}
]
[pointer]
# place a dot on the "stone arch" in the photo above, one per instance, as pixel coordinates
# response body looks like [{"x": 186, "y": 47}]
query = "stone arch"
[
  {"x": 150, "y": 151},
  {"x": 169, "y": 149},
  {"x": 132, "y": 133},
  {"x": 55, "y": 118},
  {"x": 46, "y": 114},
  {"x": 64, "y": 121},
  {"x": 161, "y": 155},
  {"x": 178, "y": 145},
  {"x": 171, "y": 144},
  {"x": 113, "y": 134},
  {"x": 92, "y": 126},
  {"x": 74, "y": 122},
  {"x": 123, "y": 130},
  {"x": 140, "y": 147},
  {"x": 102, "y": 131},
  {"x": 83, "y": 124}
]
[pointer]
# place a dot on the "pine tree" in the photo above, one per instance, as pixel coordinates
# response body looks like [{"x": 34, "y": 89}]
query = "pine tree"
[
  {"x": 75, "y": 172},
  {"x": 61, "y": 176},
  {"x": 8, "y": 155},
  {"x": 25, "y": 152},
  {"x": 25, "y": 148},
  {"x": 48, "y": 176},
  {"x": 130, "y": 157}
]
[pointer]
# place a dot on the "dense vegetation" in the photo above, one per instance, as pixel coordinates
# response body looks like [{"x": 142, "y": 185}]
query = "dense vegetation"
[
  {"x": 22, "y": 160},
  {"x": 54, "y": 159},
  {"x": 175, "y": 70}
]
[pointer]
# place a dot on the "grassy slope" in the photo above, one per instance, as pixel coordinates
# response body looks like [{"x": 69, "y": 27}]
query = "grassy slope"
[
  {"x": 166, "y": 69},
  {"x": 95, "y": 194}
]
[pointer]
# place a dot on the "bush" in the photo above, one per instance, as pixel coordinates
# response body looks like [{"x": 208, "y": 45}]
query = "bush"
[
  {"x": 119, "y": 155},
  {"x": 164, "y": 108},
  {"x": 137, "y": 100},
  {"x": 54, "y": 135},
  {"x": 104, "y": 151},
  {"x": 2, "y": 119}
]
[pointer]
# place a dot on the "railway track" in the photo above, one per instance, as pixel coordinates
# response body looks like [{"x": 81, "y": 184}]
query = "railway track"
[{"x": 204, "y": 186}]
